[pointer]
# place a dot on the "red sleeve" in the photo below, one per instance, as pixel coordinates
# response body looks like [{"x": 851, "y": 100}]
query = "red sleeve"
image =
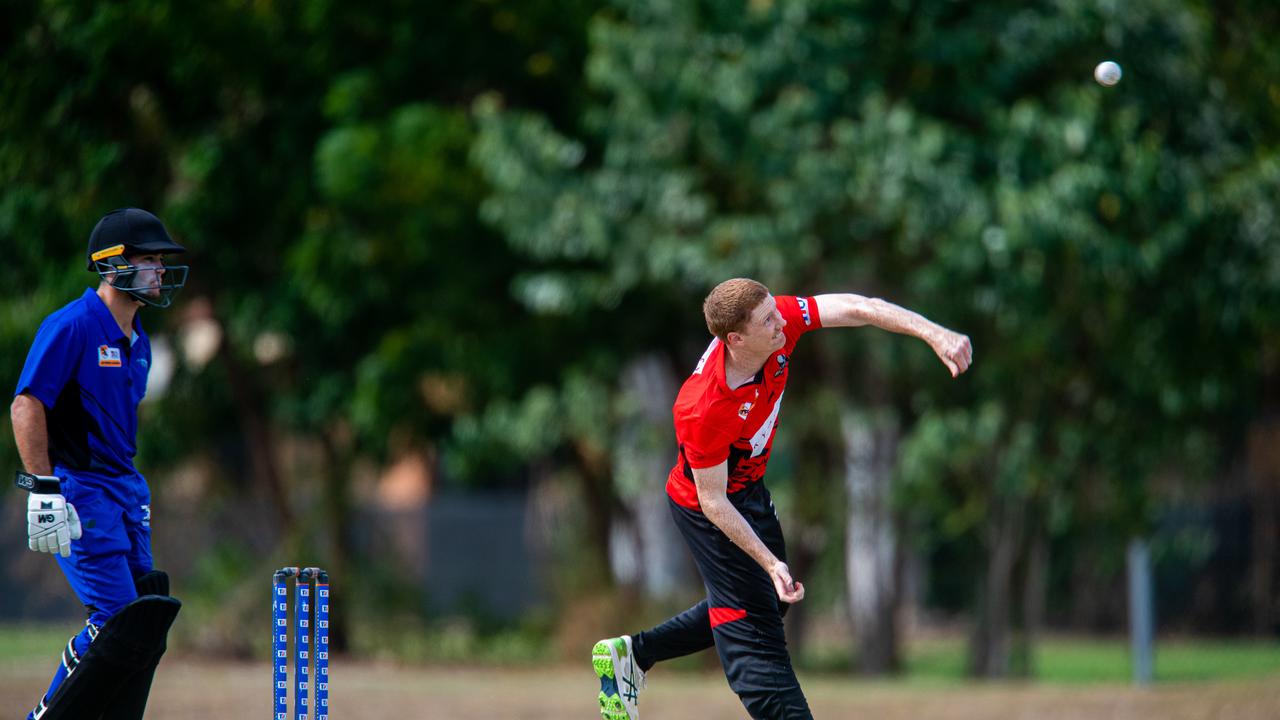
[
  {"x": 801, "y": 314},
  {"x": 707, "y": 436}
]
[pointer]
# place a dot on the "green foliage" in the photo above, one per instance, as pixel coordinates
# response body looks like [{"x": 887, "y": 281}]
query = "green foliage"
[
  {"x": 955, "y": 464},
  {"x": 462, "y": 221},
  {"x": 319, "y": 184},
  {"x": 1094, "y": 242},
  {"x": 544, "y": 419}
]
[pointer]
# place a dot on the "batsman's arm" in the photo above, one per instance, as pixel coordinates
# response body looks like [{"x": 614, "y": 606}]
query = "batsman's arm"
[
  {"x": 712, "y": 484},
  {"x": 31, "y": 434},
  {"x": 849, "y": 310}
]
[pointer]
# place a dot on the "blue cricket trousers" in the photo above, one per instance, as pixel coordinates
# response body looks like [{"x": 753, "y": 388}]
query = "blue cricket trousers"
[{"x": 115, "y": 548}]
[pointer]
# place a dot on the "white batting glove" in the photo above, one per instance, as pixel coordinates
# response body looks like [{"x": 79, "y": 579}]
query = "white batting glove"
[{"x": 52, "y": 523}]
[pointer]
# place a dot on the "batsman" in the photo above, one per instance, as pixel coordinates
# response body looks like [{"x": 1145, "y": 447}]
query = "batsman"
[{"x": 75, "y": 422}]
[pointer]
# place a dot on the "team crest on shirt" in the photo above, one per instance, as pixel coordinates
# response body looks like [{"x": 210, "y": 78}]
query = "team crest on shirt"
[
  {"x": 744, "y": 410},
  {"x": 782, "y": 364},
  {"x": 804, "y": 311},
  {"x": 108, "y": 356}
]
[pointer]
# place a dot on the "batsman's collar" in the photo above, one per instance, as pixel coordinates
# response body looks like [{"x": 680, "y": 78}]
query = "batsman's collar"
[{"x": 102, "y": 313}]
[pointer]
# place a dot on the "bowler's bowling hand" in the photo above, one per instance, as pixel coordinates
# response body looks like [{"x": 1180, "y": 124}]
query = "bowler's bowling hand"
[
  {"x": 789, "y": 590},
  {"x": 954, "y": 349}
]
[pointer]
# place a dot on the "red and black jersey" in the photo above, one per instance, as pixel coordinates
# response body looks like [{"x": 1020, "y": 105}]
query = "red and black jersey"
[{"x": 715, "y": 424}]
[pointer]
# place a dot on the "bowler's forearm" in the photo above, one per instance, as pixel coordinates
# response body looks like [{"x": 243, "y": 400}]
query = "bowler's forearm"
[
  {"x": 895, "y": 318},
  {"x": 725, "y": 516},
  {"x": 31, "y": 434},
  {"x": 849, "y": 310}
]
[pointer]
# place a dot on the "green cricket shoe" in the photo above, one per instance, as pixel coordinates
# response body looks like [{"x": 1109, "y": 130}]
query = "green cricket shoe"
[{"x": 621, "y": 679}]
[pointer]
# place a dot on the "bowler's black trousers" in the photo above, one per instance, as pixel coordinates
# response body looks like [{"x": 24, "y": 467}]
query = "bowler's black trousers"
[{"x": 741, "y": 616}]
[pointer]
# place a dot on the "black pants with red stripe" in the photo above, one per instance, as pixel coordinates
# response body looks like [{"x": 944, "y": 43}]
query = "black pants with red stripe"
[{"x": 741, "y": 617}]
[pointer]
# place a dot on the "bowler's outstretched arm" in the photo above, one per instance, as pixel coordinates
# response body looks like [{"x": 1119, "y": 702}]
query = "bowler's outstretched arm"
[{"x": 849, "y": 310}]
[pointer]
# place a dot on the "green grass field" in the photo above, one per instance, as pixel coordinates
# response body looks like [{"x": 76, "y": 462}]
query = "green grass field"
[
  {"x": 934, "y": 661},
  {"x": 23, "y": 643},
  {"x": 1087, "y": 660}
]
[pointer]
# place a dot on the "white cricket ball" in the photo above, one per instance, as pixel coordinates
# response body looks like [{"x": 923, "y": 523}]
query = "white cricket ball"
[{"x": 1107, "y": 73}]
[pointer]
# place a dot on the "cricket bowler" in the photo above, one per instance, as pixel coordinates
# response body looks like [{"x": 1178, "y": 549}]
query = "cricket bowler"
[{"x": 726, "y": 416}]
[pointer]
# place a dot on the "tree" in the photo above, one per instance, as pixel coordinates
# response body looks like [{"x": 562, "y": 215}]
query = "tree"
[
  {"x": 721, "y": 149},
  {"x": 961, "y": 161},
  {"x": 253, "y": 133}
]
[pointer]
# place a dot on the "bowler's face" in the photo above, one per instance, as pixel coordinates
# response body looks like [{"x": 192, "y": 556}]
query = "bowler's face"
[{"x": 763, "y": 332}]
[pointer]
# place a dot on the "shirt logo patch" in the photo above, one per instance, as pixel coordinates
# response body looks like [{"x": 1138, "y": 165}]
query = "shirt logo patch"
[
  {"x": 804, "y": 311},
  {"x": 782, "y": 365},
  {"x": 108, "y": 356},
  {"x": 744, "y": 410}
]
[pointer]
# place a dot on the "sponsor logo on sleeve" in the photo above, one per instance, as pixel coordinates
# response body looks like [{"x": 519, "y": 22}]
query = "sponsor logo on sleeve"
[
  {"x": 804, "y": 311},
  {"x": 108, "y": 356}
]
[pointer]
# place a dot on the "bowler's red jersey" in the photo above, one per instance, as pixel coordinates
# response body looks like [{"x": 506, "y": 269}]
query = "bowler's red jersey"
[{"x": 714, "y": 424}]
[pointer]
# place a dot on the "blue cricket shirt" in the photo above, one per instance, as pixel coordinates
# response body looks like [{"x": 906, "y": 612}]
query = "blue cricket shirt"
[{"x": 90, "y": 378}]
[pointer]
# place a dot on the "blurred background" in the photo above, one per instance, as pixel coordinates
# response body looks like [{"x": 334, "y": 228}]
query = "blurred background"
[{"x": 447, "y": 269}]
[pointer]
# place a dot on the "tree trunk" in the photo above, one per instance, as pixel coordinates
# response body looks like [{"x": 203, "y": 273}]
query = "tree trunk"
[
  {"x": 1263, "y": 573},
  {"x": 1034, "y": 579},
  {"x": 804, "y": 542},
  {"x": 337, "y": 528},
  {"x": 1264, "y": 474},
  {"x": 255, "y": 432},
  {"x": 989, "y": 646},
  {"x": 645, "y": 551},
  {"x": 871, "y": 443},
  {"x": 602, "y": 505}
]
